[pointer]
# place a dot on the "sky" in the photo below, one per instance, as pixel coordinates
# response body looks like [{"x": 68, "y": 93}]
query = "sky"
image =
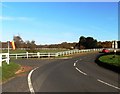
[{"x": 57, "y": 22}]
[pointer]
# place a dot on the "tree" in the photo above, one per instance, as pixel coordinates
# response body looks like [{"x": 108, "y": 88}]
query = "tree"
[
  {"x": 31, "y": 45},
  {"x": 18, "y": 41},
  {"x": 87, "y": 43},
  {"x": 82, "y": 41},
  {"x": 27, "y": 44},
  {"x": 90, "y": 43},
  {"x": 106, "y": 44}
]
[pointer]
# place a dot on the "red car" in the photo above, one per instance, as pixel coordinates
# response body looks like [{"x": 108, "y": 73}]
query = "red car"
[{"x": 105, "y": 51}]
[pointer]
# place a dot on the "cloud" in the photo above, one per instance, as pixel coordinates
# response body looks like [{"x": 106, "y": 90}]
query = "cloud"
[{"x": 6, "y": 18}]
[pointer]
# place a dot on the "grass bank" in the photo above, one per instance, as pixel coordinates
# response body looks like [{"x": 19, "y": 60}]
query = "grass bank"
[
  {"x": 41, "y": 51},
  {"x": 111, "y": 59},
  {"x": 14, "y": 51},
  {"x": 8, "y": 71}
]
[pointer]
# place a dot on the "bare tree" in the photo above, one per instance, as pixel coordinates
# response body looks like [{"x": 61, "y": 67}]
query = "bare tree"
[
  {"x": 30, "y": 45},
  {"x": 18, "y": 41}
]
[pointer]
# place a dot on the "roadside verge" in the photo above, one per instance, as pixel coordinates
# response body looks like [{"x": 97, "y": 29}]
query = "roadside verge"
[
  {"x": 8, "y": 72},
  {"x": 107, "y": 65}
]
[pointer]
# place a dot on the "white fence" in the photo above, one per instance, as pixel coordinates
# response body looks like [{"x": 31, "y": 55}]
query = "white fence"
[
  {"x": 35, "y": 48},
  {"x": 30, "y": 55},
  {"x": 5, "y": 56},
  {"x": 40, "y": 55}
]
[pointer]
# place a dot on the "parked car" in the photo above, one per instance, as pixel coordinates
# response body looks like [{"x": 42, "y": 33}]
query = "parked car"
[{"x": 105, "y": 51}]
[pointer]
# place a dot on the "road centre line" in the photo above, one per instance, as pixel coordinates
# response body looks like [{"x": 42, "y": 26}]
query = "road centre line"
[
  {"x": 80, "y": 71},
  {"x": 76, "y": 61},
  {"x": 108, "y": 84},
  {"x": 97, "y": 79},
  {"x": 30, "y": 82},
  {"x": 74, "y": 64},
  {"x": 78, "y": 68}
]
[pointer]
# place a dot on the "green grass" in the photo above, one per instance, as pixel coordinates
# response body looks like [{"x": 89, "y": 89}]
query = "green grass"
[
  {"x": 110, "y": 59},
  {"x": 49, "y": 51},
  {"x": 8, "y": 71},
  {"x": 14, "y": 51},
  {"x": 41, "y": 51}
]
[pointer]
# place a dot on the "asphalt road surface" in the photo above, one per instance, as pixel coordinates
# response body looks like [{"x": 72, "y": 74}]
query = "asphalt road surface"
[{"x": 78, "y": 74}]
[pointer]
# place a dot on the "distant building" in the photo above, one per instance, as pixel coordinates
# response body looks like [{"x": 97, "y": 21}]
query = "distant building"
[{"x": 115, "y": 44}]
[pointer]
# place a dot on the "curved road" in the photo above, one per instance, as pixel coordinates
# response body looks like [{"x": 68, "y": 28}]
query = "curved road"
[{"x": 78, "y": 74}]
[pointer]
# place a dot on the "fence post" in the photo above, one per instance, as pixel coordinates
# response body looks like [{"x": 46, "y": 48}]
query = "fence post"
[
  {"x": 56, "y": 54},
  {"x": 38, "y": 54},
  {"x": 79, "y": 51},
  {"x": 60, "y": 53},
  {"x": 8, "y": 58},
  {"x": 27, "y": 54},
  {"x": 63, "y": 53},
  {"x": 16, "y": 56},
  {"x": 69, "y": 52},
  {"x": 74, "y": 51},
  {"x": 48, "y": 55},
  {"x": 0, "y": 60}
]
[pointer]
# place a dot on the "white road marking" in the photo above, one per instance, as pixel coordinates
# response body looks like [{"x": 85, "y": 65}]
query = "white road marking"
[
  {"x": 108, "y": 84},
  {"x": 30, "y": 82},
  {"x": 76, "y": 61},
  {"x": 74, "y": 64},
  {"x": 80, "y": 71}
]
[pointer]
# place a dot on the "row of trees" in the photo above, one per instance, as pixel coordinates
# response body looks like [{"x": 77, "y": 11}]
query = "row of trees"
[
  {"x": 62, "y": 45},
  {"x": 31, "y": 44},
  {"x": 90, "y": 42},
  {"x": 24, "y": 44},
  {"x": 84, "y": 43}
]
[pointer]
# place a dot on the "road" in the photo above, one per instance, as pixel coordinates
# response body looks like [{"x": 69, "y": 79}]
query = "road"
[{"x": 78, "y": 74}]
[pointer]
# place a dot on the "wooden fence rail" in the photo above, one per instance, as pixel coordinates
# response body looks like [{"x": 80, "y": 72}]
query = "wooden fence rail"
[
  {"x": 6, "y": 56},
  {"x": 40, "y": 55}
]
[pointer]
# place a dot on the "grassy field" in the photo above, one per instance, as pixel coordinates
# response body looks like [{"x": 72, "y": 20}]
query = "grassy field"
[
  {"x": 8, "y": 71},
  {"x": 48, "y": 51},
  {"x": 111, "y": 59},
  {"x": 41, "y": 51},
  {"x": 14, "y": 51}
]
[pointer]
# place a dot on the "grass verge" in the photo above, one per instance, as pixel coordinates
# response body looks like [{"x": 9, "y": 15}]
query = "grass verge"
[
  {"x": 111, "y": 59},
  {"x": 8, "y": 71},
  {"x": 41, "y": 51},
  {"x": 14, "y": 51}
]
